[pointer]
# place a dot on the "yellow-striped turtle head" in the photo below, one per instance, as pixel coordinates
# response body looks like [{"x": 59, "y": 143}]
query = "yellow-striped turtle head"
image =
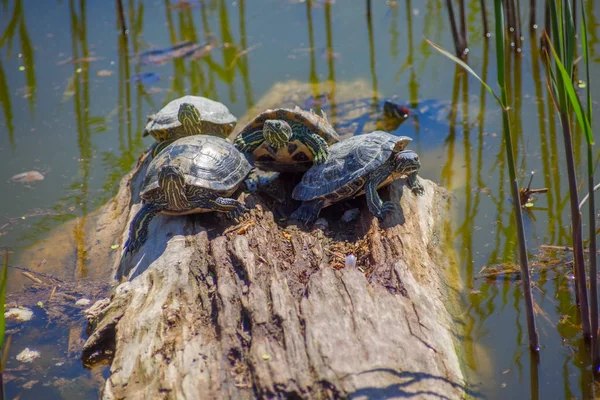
[
  {"x": 189, "y": 116},
  {"x": 277, "y": 133},
  {"x": 406, "y": 162},
  {"x": 172, "y": 182}
]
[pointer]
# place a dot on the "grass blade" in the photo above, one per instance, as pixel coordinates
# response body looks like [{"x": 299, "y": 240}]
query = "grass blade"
[
  {"x": 572, "y": 96},
  {"x": 465, "y": 66}
]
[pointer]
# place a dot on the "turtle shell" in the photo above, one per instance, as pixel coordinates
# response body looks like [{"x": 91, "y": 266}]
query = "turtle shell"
[
  {"x": 296, "y": 156},
  {"x": 216, "y": 117},
  {"x": 348, "y": 161},
  {"x": 208, "y": 162}
]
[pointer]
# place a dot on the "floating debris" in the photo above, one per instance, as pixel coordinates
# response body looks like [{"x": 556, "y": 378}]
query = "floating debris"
[
  {"x": 28, "y": 355},
  {"x": 145, "y": 78},
  {"x": 162, "y": 56},
  {"x": 351, "y": 215},
  {"x": 104, "y": 73},
  {"x": 29, "y": 176},
  {"x": 19, "y": 314},
  {"x": 350, "y": 261},
  {"x": 83, "y": 302}
]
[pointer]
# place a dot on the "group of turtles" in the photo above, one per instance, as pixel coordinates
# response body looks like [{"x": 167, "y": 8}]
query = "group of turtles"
[{"x": 196, "y": 169}]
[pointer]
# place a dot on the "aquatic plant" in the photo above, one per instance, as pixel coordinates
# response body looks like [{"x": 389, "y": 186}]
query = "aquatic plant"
[
  {"x": 561, "y": 44},
  {"x": 502, "y": 101}
]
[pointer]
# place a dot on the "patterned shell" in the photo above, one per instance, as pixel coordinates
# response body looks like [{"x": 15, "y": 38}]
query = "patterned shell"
[
  {"x": 314, "y": 122},
  {"x": 348, "y": 160},
  {"x": 210, "y": 111},
  {"x": 207, "y": 161}
]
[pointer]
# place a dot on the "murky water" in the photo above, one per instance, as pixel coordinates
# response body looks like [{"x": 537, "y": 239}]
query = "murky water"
[{"x": 71, "y": 111}]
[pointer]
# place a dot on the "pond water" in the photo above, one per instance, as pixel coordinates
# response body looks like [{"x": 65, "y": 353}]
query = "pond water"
[{"x": 73, "y": 110}]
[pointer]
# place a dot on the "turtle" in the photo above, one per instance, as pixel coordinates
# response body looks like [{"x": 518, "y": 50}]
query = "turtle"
[
  {"x": 193, "y": 174},
  {"x": 356, "y": 115},
  {"x": 189, "y": 115},
  {"x": 358, "y": 165},
  {"x": 287, "y": 140}
]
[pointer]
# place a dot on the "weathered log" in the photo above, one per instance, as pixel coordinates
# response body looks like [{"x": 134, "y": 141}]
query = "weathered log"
[
  {"x": 259, "y": 309},
  {"x": 210, "y": 308}
]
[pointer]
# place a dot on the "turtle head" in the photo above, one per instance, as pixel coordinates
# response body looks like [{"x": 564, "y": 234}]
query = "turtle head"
[
  {"x": 406, "y": 162},
  {"x": 189, "y": 117},
  {"x": 277, "y": 133},
  {"x": 393, "y": 110},
  {"x": 172, "y": 182}
]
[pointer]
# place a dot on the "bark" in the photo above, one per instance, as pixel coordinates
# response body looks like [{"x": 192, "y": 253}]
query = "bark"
[{"x": 213, "y": 309}]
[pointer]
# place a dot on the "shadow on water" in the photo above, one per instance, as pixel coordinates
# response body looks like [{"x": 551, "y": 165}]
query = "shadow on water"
[{"x": 403, "y": 390}]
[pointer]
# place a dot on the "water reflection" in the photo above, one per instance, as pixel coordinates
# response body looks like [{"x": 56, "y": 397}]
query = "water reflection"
[{"x": 101, "y": 132}]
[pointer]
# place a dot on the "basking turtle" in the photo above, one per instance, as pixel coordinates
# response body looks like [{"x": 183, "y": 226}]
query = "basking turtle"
[
  {"x": 360, "y": 164},
  {"x": 287, "y": 140},
  {"x": 189, "y": 115},
  {"x": 193, "y": 174}
]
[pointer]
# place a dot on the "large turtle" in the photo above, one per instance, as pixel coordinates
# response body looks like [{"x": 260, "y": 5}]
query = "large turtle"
[
  {"x": 193, "y": 174},
  {"x": 287, "y": 140},
  {"x": 360, "y": 164},
  {"x": 189, "y": 115}
]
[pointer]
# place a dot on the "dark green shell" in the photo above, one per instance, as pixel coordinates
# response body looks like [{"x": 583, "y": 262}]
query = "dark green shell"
[
  {"x": 208, "y": 162},
  {"x": 348, "y": 161},
  {"x": 217, "y": 118}
]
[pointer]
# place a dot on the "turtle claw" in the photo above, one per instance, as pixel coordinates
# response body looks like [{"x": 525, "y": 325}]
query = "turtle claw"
[
  {"x": 237, "y": 212},
  {"x": 416, "y": 187},
  {"x": 386, "y": 208},
  {"x": 132, "y": 246},
  {"x": 307, "y": 213}
]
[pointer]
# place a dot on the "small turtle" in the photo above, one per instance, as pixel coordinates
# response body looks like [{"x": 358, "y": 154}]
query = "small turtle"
[
  {"x": 189, "y": 115},
  {"x": 287, "y": 140},
  {"x": 193, "y": 174},
  {"x": 354, "y": 116},
  {"x": 360, "y": 164}
]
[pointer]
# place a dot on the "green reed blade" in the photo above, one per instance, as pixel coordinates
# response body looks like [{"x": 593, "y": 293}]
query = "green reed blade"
[
  {"x": 574, "y": 102},
  {"x": 466, "y": 67}
]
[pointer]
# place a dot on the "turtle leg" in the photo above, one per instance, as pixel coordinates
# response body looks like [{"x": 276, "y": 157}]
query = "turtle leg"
[
  {"x": 308, "y": 211},
  {"x": 204, "y": 199},
  {"x": 374, "y": 202},
  {"x": 248, "y": 143},
  {"x": 317, "y": 145},
  {"x": 232, "y": 207},
  {"x": 138, "y": 229},
  {"x": 414, "y": 184}
]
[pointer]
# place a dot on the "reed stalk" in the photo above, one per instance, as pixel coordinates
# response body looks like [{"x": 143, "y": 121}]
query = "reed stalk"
[
  {"x": 457, "y": 42},
  {"x": 532, "y": 24},
  {"x": 591, "y": 205},
  {"x": 486, "y": 28},
  {"x": 566, "y": 101},
  {"x": 121, "y": 17},
  {"x": 463, "y": 27}
]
